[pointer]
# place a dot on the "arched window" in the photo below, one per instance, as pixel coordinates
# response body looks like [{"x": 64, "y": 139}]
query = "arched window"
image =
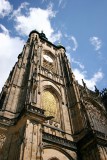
[{"x": 50, "y": 104}]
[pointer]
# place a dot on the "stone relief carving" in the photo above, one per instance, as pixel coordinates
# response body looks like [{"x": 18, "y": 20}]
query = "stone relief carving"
[{"x": 97, "y": 118}]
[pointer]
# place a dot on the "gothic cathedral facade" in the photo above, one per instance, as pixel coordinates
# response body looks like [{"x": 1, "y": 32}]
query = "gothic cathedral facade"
[{"x": 44, "y": 113}]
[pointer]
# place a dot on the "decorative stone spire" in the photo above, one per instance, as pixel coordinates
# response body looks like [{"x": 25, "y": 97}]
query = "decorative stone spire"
[
  {"x": 96, "y": 90},
  {"x": 84, "y": 84}
]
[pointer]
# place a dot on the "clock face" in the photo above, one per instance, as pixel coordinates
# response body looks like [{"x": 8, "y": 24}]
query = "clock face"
[{"x": 48, "y": 58}]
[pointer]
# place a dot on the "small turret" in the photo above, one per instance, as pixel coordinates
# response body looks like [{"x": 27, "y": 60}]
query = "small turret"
[
  {"x": 42, "y": 35},
  {"x": 103, "y": 94},
  {"x": 59, "y": 45},
  {"x": 33, "y": 31}
]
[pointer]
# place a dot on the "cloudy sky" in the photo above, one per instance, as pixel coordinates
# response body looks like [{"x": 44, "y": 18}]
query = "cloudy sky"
[{"x": 79, "y": 25}]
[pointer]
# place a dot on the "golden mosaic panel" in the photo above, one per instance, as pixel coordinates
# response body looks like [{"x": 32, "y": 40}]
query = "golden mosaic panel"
[{"x": 49, "y": 104}]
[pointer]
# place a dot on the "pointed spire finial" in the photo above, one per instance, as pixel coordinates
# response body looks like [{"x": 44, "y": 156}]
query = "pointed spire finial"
[
  {"x": 84, "y": 84},
  {"x": 96, "y": 90}
]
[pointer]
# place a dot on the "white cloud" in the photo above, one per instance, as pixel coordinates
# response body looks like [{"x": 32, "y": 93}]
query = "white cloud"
[
  {"x": 60, "y": 2},
  {"x": 35, "y": 18},
  {"x": 5, "y": 8},
  {"x": 75, "y": 43},
  {"x": 90, "y": 83},
  {"x": 68, "y": 48},
  {"x": 68, "y": 57},
  {"x": 9, "y": 50},
  {"x": 96, "y": 42},
  {"x": 17, "y": 12},
  {"x": 44, "y": 1},
  {"x": 4, "y": 30},
  {"x": 73, "y": 40},
  {"x": 55, "y": 37},
  {"x": 78, "y": 63}
]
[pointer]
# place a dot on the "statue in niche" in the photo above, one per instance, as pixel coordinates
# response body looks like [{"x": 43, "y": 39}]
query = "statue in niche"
[
  {"x": 34, "y": 84},
  {"x": 34, "y": 80}
]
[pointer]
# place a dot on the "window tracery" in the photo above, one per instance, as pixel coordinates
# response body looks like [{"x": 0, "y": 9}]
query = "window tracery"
[{"x": 49, "y": 61}]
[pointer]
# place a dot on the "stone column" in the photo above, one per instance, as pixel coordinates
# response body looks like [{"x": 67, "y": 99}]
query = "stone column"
[{"x": 33, "y": 141}]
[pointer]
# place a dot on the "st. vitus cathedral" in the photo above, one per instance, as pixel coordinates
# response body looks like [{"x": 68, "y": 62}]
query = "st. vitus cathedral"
[{"x": 45, "y": 114}]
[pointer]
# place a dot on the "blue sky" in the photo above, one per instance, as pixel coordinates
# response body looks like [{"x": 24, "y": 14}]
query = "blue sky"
[{"x": 80, "y": 26}]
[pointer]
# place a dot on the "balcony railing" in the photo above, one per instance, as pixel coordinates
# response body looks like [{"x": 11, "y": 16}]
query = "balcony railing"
[{"x": 35, "y": 109}]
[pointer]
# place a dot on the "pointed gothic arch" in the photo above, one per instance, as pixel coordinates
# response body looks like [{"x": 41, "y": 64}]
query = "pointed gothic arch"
[{"x": 57, "y": 149}]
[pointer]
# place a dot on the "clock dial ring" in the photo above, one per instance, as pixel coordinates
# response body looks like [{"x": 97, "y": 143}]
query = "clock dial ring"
[{"x": 48, "y": 58}]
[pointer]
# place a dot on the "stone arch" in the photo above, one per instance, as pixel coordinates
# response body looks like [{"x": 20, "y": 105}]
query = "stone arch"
[
  {"x": 48, "y": 84},
  {"x": 53, "y": 158},
  {"x": 53, "y": 89},
  {"x": 51, "y": 85},
  {"x": 59, "y": 150},
  {"x": 48, "y": 52}
]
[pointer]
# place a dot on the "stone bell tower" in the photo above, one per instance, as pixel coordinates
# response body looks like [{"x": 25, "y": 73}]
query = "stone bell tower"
[{"x": 45, "y": 113}]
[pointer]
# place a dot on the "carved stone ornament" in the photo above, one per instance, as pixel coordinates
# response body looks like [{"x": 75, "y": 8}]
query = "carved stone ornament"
[
  {"x": 97, "y": 117},
  {"x": 2, "y": 140}
]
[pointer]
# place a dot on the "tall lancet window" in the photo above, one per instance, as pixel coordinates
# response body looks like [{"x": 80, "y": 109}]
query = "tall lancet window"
[{"x": 50, "y": 104}]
